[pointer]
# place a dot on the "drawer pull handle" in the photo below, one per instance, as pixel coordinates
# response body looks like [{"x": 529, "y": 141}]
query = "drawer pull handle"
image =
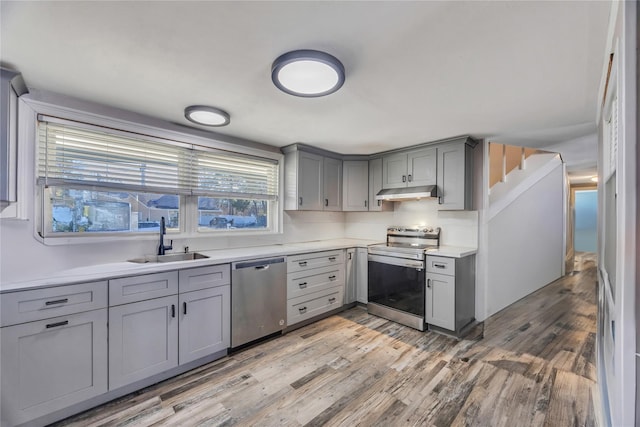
[
  {"x": 184, "y": 308},
  {"x": 302, "y": 310},
  {"x": 332, "y": 258},
  {"x": 58, "y": 301},
  {"x": 302, "y": 285},
  {"x": 302, "y": 263},
  {"x": 332, "y": 277},
  {"x": 439, "y": 265},
  {"x": 332, "y": 300},
  {"x": 55, "y": 325}
]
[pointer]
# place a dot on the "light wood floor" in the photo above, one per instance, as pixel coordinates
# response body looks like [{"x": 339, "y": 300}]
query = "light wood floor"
[{"x": 534, "y": 367}]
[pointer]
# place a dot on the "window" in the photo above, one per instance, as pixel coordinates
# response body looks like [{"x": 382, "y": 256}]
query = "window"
[{"x": 98, "y": 180}]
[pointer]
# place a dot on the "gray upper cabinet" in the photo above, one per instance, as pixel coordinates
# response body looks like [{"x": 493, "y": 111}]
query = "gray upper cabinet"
[
  {"x": 11, "y": 87},
  {"x": 455, "y": 175},
  {"x": 332, "y": 184},
  {"x": 312, "y": 182},
  {"x": 409, "y": 169},
  {"x": 355, "y": 191}
]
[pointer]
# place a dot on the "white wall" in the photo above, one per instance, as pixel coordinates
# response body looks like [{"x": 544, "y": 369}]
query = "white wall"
[
  {"x": 459, "y": 228},
  {"x": 22, "y": 257},
  {"x": 525, "y": 243}
]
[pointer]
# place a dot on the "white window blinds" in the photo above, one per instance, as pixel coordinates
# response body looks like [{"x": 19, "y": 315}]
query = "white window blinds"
[{"x": 77, "y": 154}]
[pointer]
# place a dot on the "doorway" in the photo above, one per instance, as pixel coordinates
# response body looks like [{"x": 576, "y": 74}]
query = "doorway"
[{"x": 585, "y": 221}]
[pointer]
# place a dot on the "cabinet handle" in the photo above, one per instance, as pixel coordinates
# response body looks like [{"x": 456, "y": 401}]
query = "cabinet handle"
[
  {"x": 332, "y": 258},
  {"x": 58, "y": 301},
  {"x": 439, "y": 265},
  {"x": 332, "y": 300},
  {"x": 350, "y": 255},
  {"x": 332, "y": 277},
  {"x": 55, "y": 325},
  {"x": 173, "y": 310},
  {"x": 410, "y": 178},
  {"x": 302, "y": 310},
  {"x": 404, "y": 178},
  {"x": 379, "y": 202},
  {"x": 428, "y": 283},
  {"x": 184, "y": 308},
  {"x": 302, "y": 285},
  {"x": 326, "y": 202},
  {"x": 302, "y": 263},
  {"x": 365, "y": 203},
  {"x": 439, "y": 200},
  {"x": 300, "y": 201},
  {"x": 262, "y": 267}
]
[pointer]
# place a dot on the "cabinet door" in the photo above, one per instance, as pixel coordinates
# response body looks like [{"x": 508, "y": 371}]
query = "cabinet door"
[
  {"x": 50, "y": 364},
  {"x": 394, "y": 171},
  {"x": 440, "y": 301},
  {"x": 143, "y": 340},
  {"x": 351, "y": 276},
  {"x": 452, "y": 177},
  {"x": 421, "y": 168},
  {"x": 375, "y": 184},
  {"x": 355, "y": 193},
  {"x": 362, "y": 275},
  {"x": 309, "y": 181},
  {"x": 205, "y": 322},
  {"x": 332, "y": 184}
]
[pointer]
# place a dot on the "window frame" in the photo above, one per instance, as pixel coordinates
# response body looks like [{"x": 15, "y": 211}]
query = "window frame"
[{"x": 158, "y": 130}]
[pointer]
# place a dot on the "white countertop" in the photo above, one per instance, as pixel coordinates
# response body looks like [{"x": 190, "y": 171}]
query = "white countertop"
[{"x": 218, "y": 256}]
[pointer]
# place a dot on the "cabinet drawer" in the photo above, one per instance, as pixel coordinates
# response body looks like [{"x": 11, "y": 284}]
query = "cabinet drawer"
[
  {"x": 38, "y": 304},
  {"x": 307, "y": 282},
  {"x": 314, "y": 260},
  {"x": 441, "y": 265},
  {"x": 194, "y": 279},
  {"x": 308, "y": 306},
  {"x": 139, "y": 288}
]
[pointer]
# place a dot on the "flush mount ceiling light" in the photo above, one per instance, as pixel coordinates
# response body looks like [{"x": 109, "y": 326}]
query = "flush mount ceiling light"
[
  {"x": 207, "y": 116},
  {"x": 307, "y": 73}
]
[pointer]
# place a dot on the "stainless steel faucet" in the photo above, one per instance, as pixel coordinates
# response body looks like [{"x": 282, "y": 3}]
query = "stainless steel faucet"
[{"x": 163, "y": 230}]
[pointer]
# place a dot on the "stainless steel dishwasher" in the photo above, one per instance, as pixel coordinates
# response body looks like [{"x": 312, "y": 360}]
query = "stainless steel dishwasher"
[{"x": 258, "y": 299}]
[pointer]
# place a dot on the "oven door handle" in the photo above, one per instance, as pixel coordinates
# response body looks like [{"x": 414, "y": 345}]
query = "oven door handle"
[{"x": 402, "y": 262}]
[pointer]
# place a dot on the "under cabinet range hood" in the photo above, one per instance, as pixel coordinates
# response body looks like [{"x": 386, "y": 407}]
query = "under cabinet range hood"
[{"x": 407, "y": 193}]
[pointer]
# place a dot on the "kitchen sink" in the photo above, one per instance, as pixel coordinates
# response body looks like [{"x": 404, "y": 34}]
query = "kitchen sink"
[{"x": 189, "y": 256}]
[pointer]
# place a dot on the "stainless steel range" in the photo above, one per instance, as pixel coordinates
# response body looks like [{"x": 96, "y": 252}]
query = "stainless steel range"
[{"x": 396, "y": 287}]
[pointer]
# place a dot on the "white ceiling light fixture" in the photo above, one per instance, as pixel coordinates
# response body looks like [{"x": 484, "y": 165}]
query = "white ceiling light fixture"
[
  {"x": 307, "y": 73},
  {"x": 207, "y": 116}
]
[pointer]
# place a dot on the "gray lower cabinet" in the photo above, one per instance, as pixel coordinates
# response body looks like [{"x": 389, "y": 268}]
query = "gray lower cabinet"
[
  {"x": 49, "y": 363},
  {"x": 210, "y": 307},
  {"x": 315, "y": 284},
  {"x": 143, "y": 340},
  {"x": 450, "y": 292}
]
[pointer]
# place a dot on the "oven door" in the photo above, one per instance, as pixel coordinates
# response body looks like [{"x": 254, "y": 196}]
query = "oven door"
[{"x": 397, "y": 283}]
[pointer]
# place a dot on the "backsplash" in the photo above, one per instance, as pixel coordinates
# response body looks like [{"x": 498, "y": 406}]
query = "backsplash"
[{"x": 459, "y": 228}]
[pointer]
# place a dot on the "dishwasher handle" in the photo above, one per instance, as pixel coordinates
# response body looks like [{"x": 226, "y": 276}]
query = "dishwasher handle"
[{"x": 261, "y": 264}]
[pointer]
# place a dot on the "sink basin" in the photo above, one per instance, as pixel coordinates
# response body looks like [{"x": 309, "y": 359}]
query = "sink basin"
[{"x": 189, "y": 256}]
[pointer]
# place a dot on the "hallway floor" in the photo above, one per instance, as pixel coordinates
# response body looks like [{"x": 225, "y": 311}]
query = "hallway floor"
[{"x": 534, "y": 367}]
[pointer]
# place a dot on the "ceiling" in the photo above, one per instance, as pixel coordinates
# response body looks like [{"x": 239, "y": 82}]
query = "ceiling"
[{"x": 521, "y": 73}]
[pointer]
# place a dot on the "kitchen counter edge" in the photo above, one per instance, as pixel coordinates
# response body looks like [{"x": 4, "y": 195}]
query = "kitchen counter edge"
[{"x": 108, "y": 271}]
